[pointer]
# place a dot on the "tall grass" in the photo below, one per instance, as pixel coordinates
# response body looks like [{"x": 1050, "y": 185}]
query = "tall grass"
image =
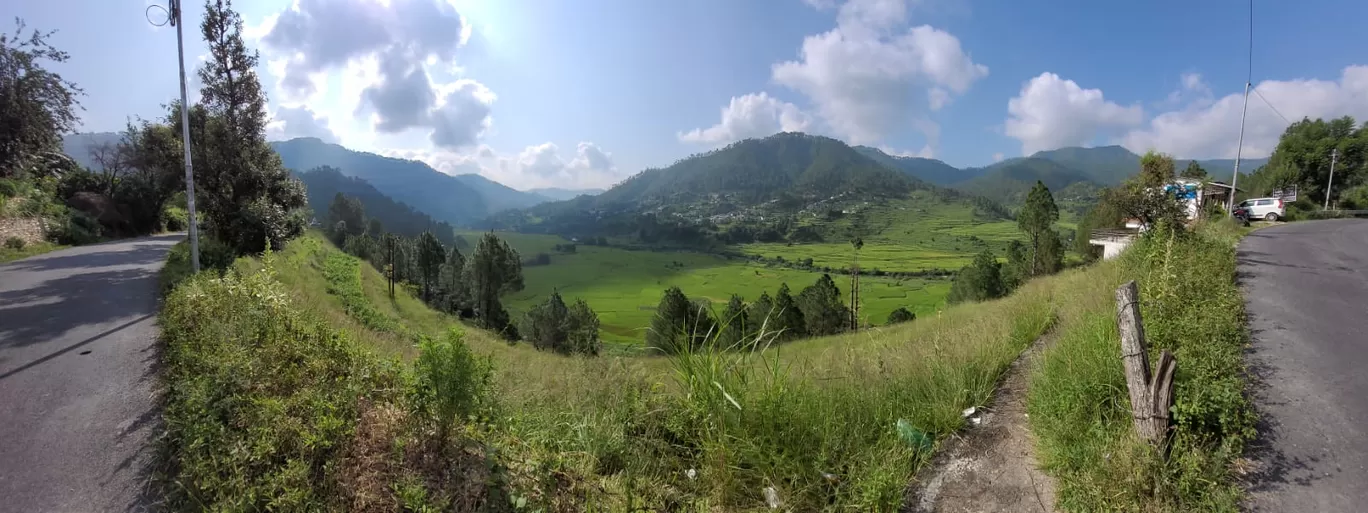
[{"x": 1078, "y": 401}]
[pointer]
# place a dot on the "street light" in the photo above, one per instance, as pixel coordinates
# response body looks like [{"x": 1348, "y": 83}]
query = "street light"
[{"x": 173, "y": 16}]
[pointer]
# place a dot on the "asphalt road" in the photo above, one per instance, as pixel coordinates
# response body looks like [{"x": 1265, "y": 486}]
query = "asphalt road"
[
  {"x": 77, "y": 370},
  {"x": 1306, "y": 291}
]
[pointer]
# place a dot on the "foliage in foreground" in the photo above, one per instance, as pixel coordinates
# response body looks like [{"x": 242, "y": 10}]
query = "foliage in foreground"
[{"x": 1079, "y": 405}]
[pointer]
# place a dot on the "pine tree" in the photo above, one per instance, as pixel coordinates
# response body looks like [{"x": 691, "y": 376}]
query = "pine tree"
[
  {"x": 248, "y": 198},
  {"x": 547, "y": 324},
  {"x": 492, "y": 270},
  {"x": 583, "y": 330},
  {"x": 1018, "y": 269},
  {"x": 759, "y": 314},
  {"x": 735, "y": 323},
  {"x": 431, "y": 256},
  {"x": 454, "y": 291},
  {"x": 786, "y": 317},
  {"x": 823, "y": 313},
  {"x": 979, "y": 281},
  {"x": 1037, "y": 216},
  {"x": 669, "y": 328}
]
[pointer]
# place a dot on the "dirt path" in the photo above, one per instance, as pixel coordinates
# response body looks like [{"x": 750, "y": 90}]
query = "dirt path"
[{"x": 991, "y": 466}]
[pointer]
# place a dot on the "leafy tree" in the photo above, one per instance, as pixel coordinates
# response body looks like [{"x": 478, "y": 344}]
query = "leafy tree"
[
  {"x": 1051, "y": 256},
  {"x": 901, "y": 315},
  {"x": 978, "y": 281},
  {"x": 786, "y": 317},
  {"x": 156, "y": 173},
  {"x": 1102, "y": 216},
  {"x": 37, "y": 105},
  {"x": 1156, "y": 169},
  {"x": 375, "y": 228},
  {"x": 492, "y": 270},
  {"x": 735, "y": 321},
  {"x": 1193, "y": 171},
  {"x": 1036, "y": 217},
  {"x": 347, "y": 218},
  {"x": 246, "y": 194},
  {"x": 823, "y": 312},
  {"x": 1303, "y": 158},
  {"x": 431, "y": 256}
]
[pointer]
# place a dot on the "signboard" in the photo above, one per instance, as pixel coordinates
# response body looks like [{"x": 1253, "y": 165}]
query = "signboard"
[{"x": 1288, "y": 194}]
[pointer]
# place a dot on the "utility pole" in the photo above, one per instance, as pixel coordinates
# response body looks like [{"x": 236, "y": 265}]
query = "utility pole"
[
  {"x": 175, "y": 17},
  {"x": 1330, "y": 183},
  {"x": 1249, "y": 78}
]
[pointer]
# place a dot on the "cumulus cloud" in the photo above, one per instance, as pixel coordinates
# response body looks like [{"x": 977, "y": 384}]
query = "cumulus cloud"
[
  {"x": 395, "y": 47},
  {"x": 871, "y": 76},
  {"x": 1210, "y": 129},
  {"x": 292, "y": 122},
  {"x": 752, "y": 115},
  {"x": 1051, "y": 112},
  {"x": 463, "y": 115},
  {"x": 539, "y": 165}
]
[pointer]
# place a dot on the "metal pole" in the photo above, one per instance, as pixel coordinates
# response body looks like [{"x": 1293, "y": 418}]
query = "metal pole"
[
  {"x": 185, "y": 140},
  {"x": 1330, "y": 183},
  {"x": 1235, "y": 178}
]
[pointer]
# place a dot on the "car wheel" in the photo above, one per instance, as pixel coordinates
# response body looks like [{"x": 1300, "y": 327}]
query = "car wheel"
[{"x": 1271, "y": 216}]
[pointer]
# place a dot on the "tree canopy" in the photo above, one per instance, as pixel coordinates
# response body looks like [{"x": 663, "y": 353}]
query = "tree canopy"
[{"x": 37, "y": 105}]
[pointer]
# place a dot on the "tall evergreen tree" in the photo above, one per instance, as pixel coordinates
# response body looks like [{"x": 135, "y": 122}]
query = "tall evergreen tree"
[
  {"x": 454, "y": 290},
  {"x": 547, "y": 324},
  {"x": 247, "y": 196},
  {"x": 582, "y": 332},
  {"x": 1018, "y": 269},
  {"x": 431, "y": 256},
  {"x": 669, "y": 331},
  {"x": 1037, "y": 216},
  {"x": 786, "y": 317},
  {"x": 760, "y": 314},
  {"x": 492, "y": 270},
  {"x": 346, "y": 218},
  {"x": 735, "y": 323},
  {"x": 823, "y": 313}
]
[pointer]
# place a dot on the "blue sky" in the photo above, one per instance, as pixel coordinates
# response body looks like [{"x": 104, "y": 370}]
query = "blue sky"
[{"x": 579, "y": 94}]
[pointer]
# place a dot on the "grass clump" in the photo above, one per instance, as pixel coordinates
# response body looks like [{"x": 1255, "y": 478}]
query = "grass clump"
[
  {"x": 1079, "y": 405},
  {"x": 343, "y": 273}
]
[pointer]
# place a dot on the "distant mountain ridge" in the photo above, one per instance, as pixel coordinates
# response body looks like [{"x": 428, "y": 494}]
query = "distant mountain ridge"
[
  {"x": 929, "y": 170},
  {"x": 558, "y": 194},
  {"x": 324, "y": 183}
]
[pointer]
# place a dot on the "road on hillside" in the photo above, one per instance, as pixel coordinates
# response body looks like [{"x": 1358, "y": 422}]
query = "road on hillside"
[
  {"x": 1306, "y": 291},
  {"x": 77, "y": 369}
]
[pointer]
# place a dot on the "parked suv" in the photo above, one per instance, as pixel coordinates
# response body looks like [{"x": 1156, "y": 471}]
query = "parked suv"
[{"x": 1268, "y": 209}]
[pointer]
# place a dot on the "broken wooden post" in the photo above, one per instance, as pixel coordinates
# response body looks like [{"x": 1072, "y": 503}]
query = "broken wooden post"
[{"x": 1150, "y": 398}]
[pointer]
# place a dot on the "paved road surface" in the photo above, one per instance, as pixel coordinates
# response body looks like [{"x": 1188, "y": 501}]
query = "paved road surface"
[
  {"x": 1306, "y": 288},
  {"x": 77, "y": 359}
]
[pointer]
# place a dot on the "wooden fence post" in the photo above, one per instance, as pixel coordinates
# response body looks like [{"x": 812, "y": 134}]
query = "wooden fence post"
[{"x": 1150, "y": 398}]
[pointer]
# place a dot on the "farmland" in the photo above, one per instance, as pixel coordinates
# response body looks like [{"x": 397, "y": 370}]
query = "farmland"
[{"x": 624, "y": 286}]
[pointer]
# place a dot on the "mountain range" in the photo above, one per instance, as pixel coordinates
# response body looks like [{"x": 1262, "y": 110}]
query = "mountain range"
[{"x": 744, "y": 173}]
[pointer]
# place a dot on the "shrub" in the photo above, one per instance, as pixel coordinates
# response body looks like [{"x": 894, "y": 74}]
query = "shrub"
[
  {"x": 175, "y": 219},
  {"x": 14, "y": 243},
  {"x": 10, "y": 187},
  {"x": 261, "y": 400},
  {"x": 901, "y": 315},
  {"x": 450, "y": 382},
  {"x": 75, "y": 229}
]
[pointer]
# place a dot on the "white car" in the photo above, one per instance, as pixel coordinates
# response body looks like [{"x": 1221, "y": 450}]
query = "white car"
[{"x": 1268, "y": 209}]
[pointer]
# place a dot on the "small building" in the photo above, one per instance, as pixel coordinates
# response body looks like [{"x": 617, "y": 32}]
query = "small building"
[{"x": 1113, "y": 242}]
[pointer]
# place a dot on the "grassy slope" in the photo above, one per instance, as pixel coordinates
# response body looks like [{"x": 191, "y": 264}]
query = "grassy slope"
[
  {"x": 1079, "y": 409},
  {"x": 624, "y": 287},
  {"x": 621, "y": 432},
  {"x": 8, "y": 254}
]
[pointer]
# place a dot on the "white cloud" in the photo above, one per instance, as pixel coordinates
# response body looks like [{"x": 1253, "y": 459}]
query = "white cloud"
[
  {"x": 997, "y": 157},
  {"x": 539, "y": 165},
  {"x": 463, "y": 115},
  {"x": 752, "y": 115},
  {"x": 292, "y": 122},
  {"x": 1211, "y": 129},
  {"x": 1051, "y": 112},
  {"x": 391, "y": 56},
  {"x": 870, "y": 76}
]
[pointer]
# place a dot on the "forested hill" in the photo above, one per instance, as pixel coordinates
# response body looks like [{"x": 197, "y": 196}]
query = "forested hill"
[
  {"x": 1009, "y": 181},
  {"x": 757, "y": 170},
  {"x": 929, "y": 170},
  {"x": 324, "y": 183},
  {"x": 440, "y": 195}
]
